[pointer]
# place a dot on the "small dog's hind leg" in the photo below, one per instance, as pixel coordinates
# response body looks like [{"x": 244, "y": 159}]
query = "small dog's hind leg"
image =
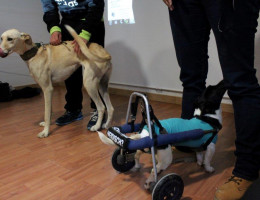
[
  {"x": 208, "y": 157},
  {"x": 199, "y": 156}
]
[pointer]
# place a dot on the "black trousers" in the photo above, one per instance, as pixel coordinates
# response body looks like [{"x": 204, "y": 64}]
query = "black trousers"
[
  {"x": 74, "y": 82},
  {"x": 233, "y": 23}
]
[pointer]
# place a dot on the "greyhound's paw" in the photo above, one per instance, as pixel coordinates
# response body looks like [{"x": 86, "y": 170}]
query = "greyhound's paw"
[
  {"x": 94, "y": 128},
  {"x": 43, "y": 134},
  {"x": 105, "y": 126},
  {"x": 209, "y": 169},
  {"x": 42, "y": 123}
]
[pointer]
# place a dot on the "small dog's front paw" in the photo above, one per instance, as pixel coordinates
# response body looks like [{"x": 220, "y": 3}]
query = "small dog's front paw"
[
  {"x": 209, "y": 169},
  {"x": 137, "y": 166},
  {"x": 42, "y": 123},
  {"x": 135, "y": 169},
  {"x": 149, "y": 181},
  {"x": 147, "y": 185},
  {"x": 43, "y": 134},
  {"x": 199, "y": 162}
]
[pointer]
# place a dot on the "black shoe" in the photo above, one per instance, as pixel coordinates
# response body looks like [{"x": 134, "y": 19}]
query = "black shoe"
[
  {"x": 94, "y": 118},
  {"x": 69, "y": 117}
]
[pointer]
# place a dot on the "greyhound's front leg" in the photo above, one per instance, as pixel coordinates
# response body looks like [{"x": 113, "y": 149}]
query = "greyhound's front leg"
[{"x": 47, "y": 114}]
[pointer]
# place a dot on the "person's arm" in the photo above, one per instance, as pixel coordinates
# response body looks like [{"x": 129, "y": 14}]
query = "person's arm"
[
  {"x": 95, "y": 10},
  {"x": 52, "y": 19}
]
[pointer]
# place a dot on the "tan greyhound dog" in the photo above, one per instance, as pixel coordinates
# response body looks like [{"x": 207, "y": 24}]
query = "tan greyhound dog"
[{"x": 49, "y": 64}]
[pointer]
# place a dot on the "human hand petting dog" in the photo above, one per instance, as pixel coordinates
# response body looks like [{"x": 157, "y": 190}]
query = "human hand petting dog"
[
  {"x": 56, "y": 38},
  {"x": 169, "y": 4},
  {"x": 76, "y": 45}
]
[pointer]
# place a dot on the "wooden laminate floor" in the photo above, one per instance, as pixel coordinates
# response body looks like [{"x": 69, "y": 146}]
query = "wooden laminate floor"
[{"x": 72, "y": 163}]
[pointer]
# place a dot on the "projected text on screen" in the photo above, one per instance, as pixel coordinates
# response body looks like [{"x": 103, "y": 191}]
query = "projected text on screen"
[{"x": 120, "y": 12}]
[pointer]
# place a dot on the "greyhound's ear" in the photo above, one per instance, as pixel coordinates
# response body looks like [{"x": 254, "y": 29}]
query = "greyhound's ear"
[{"x": 27, "y": 38}]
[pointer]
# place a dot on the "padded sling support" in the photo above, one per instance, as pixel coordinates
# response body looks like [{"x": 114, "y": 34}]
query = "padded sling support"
[{"x": 119, "y": 138}]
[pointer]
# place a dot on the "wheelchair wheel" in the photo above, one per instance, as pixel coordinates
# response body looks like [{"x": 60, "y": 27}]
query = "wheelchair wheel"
[
  {"x": 169, "y": 187},
  {"x": 123, "y": 162}
]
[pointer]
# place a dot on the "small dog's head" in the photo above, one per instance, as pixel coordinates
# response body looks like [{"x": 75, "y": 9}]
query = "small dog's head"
[
  {"x": 14, "y": 41},
  {"x": 210, "y": 100}
]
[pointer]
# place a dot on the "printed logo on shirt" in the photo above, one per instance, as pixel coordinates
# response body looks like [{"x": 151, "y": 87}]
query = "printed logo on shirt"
[{"x": 71, "y": 3}]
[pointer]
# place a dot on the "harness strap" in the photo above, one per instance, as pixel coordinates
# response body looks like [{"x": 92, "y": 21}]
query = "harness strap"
[
  {"x": 203, "y": 146},
  {"x": 153, "y": 117},
  {"x": 134, "y": 107},
  {"x": 214, "y": 133}
]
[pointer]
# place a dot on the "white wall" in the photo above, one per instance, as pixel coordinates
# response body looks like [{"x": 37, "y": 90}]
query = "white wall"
[
  {"x": 143, "y": 54},
  {"x": 26, "y": 16}
]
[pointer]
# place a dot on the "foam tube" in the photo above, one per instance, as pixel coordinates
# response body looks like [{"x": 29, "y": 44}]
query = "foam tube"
[
  {"x": 165, "y": 139},
  {"x": 127, "y": 128}
]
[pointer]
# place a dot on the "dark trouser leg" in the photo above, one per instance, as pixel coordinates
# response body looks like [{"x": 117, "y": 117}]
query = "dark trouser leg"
[
  {"x": 74, "y": 82},
  {"x": 190, "y": 30},
  {"x": 74, "y": 91},
  {"x": 236, "y": 52}
]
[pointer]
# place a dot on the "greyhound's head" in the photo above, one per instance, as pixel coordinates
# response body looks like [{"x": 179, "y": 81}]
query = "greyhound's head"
[
  {"x": 208, "y": 104},
  {"x": 14, "y": 41}
]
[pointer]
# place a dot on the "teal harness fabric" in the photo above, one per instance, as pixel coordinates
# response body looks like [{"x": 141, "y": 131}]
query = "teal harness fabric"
[{"x": 175, "y": 125}]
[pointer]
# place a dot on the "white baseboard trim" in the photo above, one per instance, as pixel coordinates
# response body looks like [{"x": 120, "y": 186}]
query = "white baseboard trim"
[
  {"x": 154, "y": 94},
  {"x": 162, "y": 95}
]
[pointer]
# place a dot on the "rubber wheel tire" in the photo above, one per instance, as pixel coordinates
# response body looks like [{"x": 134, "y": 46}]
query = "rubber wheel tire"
[
  {"x": 169, "y": 187},
  {"x": 121, "y": 167}
]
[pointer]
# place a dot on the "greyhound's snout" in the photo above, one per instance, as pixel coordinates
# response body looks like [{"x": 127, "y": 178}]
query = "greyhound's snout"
[{"x": 2, "y": 53}]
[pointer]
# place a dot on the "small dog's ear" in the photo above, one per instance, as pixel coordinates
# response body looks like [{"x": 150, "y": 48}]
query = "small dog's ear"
[{"x": 27, "y": 38}]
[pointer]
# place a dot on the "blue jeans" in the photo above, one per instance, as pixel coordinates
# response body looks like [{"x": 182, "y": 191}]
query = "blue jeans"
[{"x": 233, "y": 23}]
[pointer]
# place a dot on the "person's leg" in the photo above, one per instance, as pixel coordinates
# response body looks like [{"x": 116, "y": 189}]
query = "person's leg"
[
  {"x": 74, "y": 91},
  {"x": 243, "y": 88},
  {"x": 190, "y": 30},
  {"x": 73, "y": 85},
  {"x": 236, "y": 52}
]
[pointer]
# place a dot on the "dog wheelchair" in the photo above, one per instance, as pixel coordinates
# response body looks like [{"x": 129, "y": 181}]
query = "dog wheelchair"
[{"x": 170, "y": 186}]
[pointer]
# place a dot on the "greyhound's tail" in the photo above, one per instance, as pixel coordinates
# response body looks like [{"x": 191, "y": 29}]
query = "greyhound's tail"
[{"x": 96, "y": 52}]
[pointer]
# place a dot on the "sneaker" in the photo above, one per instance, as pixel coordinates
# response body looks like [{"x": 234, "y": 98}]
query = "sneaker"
[
  {"x": 94, "y": 118},
  {"x": 233, "y": 189},
  {"x": 69, "y": 117}
]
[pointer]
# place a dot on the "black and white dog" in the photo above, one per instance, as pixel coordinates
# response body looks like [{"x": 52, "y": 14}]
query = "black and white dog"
[{"x": 207, "y": 116}]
